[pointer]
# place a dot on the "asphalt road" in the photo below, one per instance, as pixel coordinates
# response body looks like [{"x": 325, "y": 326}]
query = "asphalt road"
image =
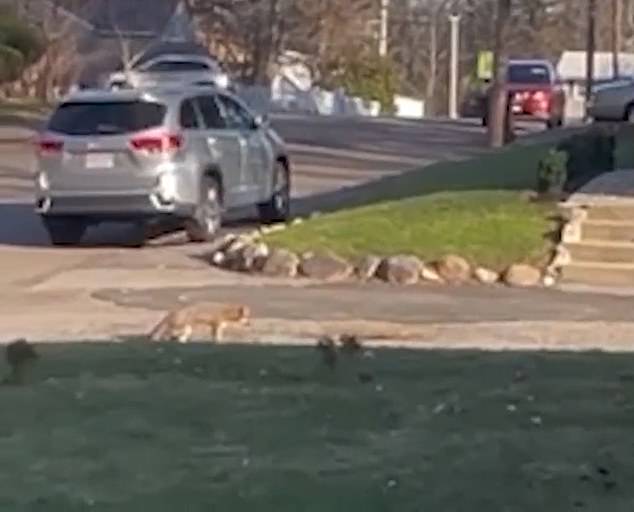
[{"x": 328, "y": 154}]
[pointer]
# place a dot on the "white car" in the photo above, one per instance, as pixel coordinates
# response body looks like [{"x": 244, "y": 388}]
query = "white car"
[
  {"x": 172, "y": 70},
  {"x": 613, "y": 101}
]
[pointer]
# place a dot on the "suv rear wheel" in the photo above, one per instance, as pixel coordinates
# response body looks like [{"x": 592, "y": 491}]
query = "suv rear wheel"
[
  {"x": 207, "y": 219},
  {"x": 278, "y": 207},
  {"x": 64, "y": 231}
]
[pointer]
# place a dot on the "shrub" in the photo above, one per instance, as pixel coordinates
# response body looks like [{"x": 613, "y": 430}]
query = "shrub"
[
  {"x": 367, "y": 76},
  {"x": 589, "y": 154},
  {"x": 552, "y": 173}
]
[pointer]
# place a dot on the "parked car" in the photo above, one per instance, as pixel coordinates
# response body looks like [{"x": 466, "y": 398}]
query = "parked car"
[
  {"x": 173, "y": 69},
  {"x": 535, "y": 91},
  {"x": 140, "y": 154},
  {"x": 613, "y": 101}
]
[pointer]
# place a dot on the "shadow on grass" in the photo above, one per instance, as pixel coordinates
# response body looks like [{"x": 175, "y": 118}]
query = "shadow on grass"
[
  {"x": 237, "y": 427},
  {"x": 513, "y": 168}
]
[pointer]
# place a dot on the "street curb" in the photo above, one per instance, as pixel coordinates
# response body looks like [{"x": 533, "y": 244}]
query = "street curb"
[{"x": 18, "y": 141}]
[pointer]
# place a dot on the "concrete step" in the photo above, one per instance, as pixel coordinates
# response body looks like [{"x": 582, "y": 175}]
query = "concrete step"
[
  {"x": 599, "y": 273},
  {"x": 611, "y": 230},
  {"x": 602, "y": 250},
  {"x": 619, "y": 212}
]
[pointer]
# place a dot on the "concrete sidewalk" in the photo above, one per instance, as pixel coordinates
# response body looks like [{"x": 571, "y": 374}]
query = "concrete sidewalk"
[{"x": 469, "y": 317}]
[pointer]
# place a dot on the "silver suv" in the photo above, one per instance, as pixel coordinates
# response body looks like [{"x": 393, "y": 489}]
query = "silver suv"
[
  {"x": 142, "y": 154},
  {"x": 173, "y": 69}
]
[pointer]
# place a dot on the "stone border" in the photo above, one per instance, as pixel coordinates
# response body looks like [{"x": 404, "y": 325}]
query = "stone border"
[
  {"x": 571, "y": 230},
  {"x": 248, "y": 253}
]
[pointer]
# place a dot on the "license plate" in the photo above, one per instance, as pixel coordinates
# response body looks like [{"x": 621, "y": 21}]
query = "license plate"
[{"x": 99, "y": 161}]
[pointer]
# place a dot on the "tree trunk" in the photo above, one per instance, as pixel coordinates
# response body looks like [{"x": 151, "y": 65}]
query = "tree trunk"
[{"x": 498, "y": 99}]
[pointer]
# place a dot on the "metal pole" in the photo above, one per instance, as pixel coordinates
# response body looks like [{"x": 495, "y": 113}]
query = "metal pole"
[
  {"x": 454, "y": 69},
  {"x": 385, "y": 8},
  {"x": 617, "y": 27},
  {"x": 591, "y": 44}
]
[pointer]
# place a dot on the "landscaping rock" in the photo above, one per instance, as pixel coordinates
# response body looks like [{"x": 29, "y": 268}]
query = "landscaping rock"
[
  {"x": 571, "y": 232},
  {"x": 486, "y": 276},
  {"x": 218, "y": 259},
  {"x": 549, "y": 281},
  {"x": 220, "y": 246},
  {"x": 235, "y": 246},
  {"x": 453, "y": 269},
  {"x": 367, "y": 267},
  {"x": 325, "y": 267},
  {"x": 253, "y": 257},
  {"x": 561, "y": 258},
  {"x": 522, "y": 276},
  {"x": 273, "y": 228},
  {"x": 428, "y": 274},
  {"x": 280, "y": 263},
  {"x": 400, "y": 270}
]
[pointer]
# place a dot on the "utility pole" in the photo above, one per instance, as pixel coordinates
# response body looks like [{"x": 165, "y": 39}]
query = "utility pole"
[
  {"x": 385, "y": 9},
  {"x": 617, "y": 35},
  {"x": 454, "y": 19},
  {"x": 590, "y": 50}
]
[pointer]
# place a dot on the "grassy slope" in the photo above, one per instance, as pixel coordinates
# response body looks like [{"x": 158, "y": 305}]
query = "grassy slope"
[
  {"x": 489, "y": 228},
  {"x": 198, "y": 428},
  {"x": 488, "y": 224}
]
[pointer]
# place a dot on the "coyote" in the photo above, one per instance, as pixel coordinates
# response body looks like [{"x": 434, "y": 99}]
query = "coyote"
[{"x": 180, "y": 323}]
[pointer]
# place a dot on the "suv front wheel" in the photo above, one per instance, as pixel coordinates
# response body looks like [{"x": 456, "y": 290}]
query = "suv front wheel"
[
  {"x": 278, "y": 207},
  {"x": 64, "y": 231},
  {"x": 207, "y": 218}
]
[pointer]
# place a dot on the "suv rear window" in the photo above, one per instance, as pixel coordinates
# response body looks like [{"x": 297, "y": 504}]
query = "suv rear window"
[
  {"x": 529, "y": 74},
  {"x": 167, "y": 66},
  {"x": 106, "y": 118}
]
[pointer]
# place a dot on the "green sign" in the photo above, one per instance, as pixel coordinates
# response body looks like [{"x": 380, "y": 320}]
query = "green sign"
[{"x": 485, "y": 65}]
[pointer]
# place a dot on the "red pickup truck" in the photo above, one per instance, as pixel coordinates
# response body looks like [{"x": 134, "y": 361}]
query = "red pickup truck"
[{"x": 535, "y": 92}]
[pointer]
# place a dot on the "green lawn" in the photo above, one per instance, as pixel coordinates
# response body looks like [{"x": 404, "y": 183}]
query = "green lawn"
[
  {"x": 165, "y": 428},
  {"x": 474, "y": 208},
  {"x": 492, "y": 228}
]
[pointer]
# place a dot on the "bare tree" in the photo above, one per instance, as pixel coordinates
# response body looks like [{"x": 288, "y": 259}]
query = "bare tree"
[{"x": 498, "y": 105}]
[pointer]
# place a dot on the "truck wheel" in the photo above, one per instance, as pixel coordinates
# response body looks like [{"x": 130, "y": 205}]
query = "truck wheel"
[
  {"x": 204, "y": 224},
  {"x": 64, "y": 231},
  {"x": 278, "y": 207}
]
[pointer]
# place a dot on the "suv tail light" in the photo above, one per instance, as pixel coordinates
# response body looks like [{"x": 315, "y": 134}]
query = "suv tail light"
[
  {"x": 49, "y": 146},
  {"x": 157, "y": 142},
  {"x": 541, "y": 96}
]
